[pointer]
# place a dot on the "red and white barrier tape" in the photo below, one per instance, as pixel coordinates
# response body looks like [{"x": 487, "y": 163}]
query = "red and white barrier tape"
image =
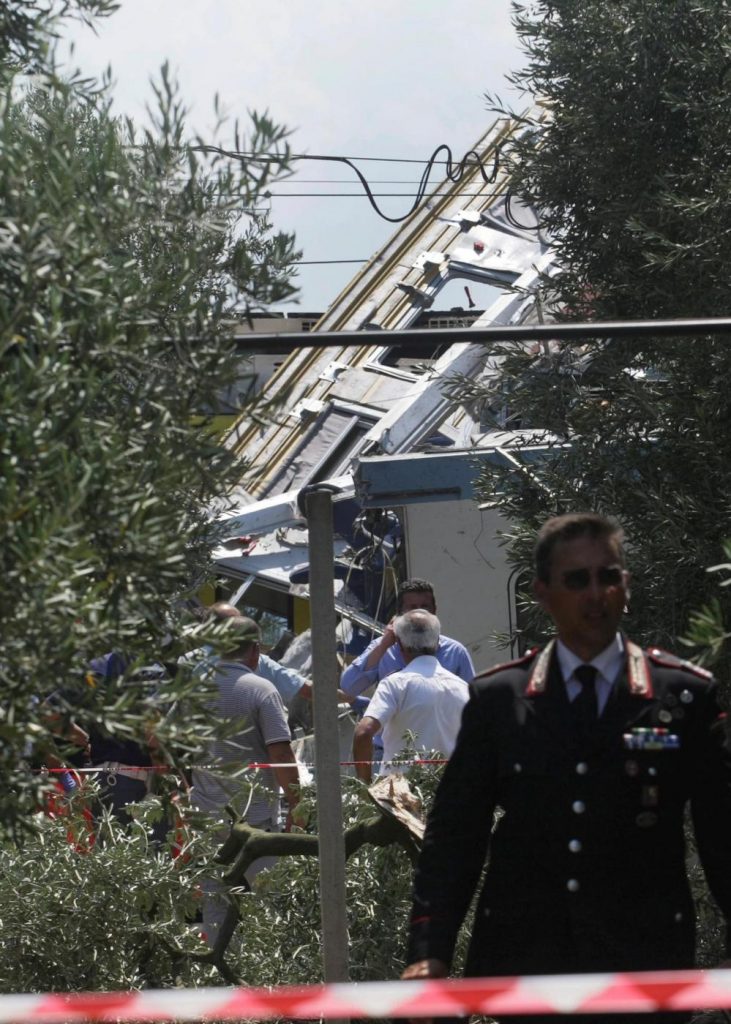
[
  {"x": 247, "y": 767},
  {"x": 644, "y": 992}
]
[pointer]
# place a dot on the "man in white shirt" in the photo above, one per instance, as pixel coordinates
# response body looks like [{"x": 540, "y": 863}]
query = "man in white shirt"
[{"x": 424, "y": 698}]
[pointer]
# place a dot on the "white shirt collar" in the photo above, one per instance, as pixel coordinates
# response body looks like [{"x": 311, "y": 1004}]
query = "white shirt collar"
[
  {"x": 608, "y": 662},
  {"x": 422, "y": 664}
]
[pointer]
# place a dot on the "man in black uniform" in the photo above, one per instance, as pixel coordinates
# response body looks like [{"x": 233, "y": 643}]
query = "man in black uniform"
[{"x": 591, "y": 748}]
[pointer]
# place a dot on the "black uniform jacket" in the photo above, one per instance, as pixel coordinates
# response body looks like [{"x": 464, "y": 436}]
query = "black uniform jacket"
[{"x": 585, "y": 843}]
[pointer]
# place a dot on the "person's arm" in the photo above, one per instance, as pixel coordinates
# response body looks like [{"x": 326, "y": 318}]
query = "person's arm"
[
  {"x": 308, "y": 692},
  {"x": 365, "y": 730},
  {"x": 77, "y": 736},
  {"x": 377, "y": 650},
  {"x": 287, "y": 681},
  {"x": 710, "y": 800},
  {"x": 463, "y": 666},
  {"x": 287, "y": 775},
  {"x": 362, "y": 672},
  {"x": 68, "y": 731}
]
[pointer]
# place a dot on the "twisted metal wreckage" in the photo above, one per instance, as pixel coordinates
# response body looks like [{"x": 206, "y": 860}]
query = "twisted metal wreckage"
[{"x": 373, "y": 422}]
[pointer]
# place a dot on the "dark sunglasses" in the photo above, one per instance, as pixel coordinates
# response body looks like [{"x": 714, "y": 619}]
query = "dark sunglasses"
[{"x": 606, "y": 576}]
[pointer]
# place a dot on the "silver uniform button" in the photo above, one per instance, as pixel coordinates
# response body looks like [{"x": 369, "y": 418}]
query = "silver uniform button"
[
  {"x": 517, "y": 767},
  {"x": 686, "y": 697},
  {"x": 575, "y": 846},
  {"x": 678, "y": 917},
  {"x": 578, "y": 806},
  {"x": 573, "y": 885},
  {"x": 582, "y": 768}
]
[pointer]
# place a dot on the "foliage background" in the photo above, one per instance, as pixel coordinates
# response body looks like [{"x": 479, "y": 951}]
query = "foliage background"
[
  {"x": 126, "y": 255},
  {"x": 631, "y": 178},
  {"x": 120, "y": 916}
]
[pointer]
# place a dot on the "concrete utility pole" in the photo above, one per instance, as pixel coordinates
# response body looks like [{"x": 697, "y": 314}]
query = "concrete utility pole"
[{"x": 327, "y": 748}]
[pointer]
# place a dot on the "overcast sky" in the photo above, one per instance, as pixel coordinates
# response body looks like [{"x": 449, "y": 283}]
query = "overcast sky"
[{"x": 381, "y": 78}]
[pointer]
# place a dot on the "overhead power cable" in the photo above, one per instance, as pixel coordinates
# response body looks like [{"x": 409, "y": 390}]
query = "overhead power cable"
[
  {"x": 379, "y": 195},
  {"x": 345, "y": 181},
  {"x": 454, "y": 171},
  {"x": 324, "y": 263},
  {"x": 277, "y": 159}
]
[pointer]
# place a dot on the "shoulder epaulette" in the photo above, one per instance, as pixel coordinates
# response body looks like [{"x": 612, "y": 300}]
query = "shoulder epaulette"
[
  {"x": 638, "y": 670},
  {"x": 528, "y": 656},
  {"x": 668, "y": 660},
  {"x": 539, "y": 672}
]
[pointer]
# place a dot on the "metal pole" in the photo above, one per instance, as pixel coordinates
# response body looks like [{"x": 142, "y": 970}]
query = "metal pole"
[
  {"x": 327, "y": 748},
  {"x": 574, "y": 333}
]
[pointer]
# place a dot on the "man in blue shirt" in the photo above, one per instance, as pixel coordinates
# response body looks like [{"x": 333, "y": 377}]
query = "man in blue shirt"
[{"x": 384, "y": 656}]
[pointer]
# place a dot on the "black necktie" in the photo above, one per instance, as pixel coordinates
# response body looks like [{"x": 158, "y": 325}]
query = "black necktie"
[{"x": 584, "y": 707}]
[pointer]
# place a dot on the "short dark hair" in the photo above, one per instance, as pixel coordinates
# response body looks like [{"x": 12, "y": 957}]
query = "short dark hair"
[
  {"x": 414, "y": 586},
  {"x": 568, "y": 527}
]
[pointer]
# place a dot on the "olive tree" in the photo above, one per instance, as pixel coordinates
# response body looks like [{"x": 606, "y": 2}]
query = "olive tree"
[
  {"x": 630, "y": 176},
  {"x": 125, "y": 254}
]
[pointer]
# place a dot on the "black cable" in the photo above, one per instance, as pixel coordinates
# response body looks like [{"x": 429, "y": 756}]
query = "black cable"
[
  {"x": 346, "y": 181},
  {"x": 257, "y": 158},
  {"x": 511, "y": 218},
  {"x": 323, "y": 263},
  {"x": 379, "y": 195},
  {"x": 454, "y": 172}
]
